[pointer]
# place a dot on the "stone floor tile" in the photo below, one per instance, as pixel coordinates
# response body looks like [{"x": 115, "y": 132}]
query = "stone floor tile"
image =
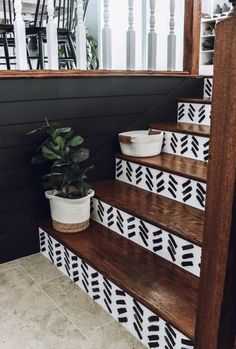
[
  {"x": 49, "y": 330},
  {"x": 8, "y": 265},
  {"x": 40, "y": 268},
  {"x": 76, "y": 304},
  {"x": 13, "y": 282},
  {"x": 24, "y": 305},
  {"x": 62, "y": 289},
  {"x": 113, "y": 336}
]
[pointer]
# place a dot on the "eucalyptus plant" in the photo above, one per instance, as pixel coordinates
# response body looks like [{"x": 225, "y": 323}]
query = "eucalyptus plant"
[{"x": 63, "y": 150}]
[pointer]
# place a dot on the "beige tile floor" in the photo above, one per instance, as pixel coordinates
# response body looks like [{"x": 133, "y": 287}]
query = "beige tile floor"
[{"x": 40, "y": 308}]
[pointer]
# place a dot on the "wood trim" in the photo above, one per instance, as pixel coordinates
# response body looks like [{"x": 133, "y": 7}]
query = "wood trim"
[
  {"x": 217, "y": 304},
  {"x": 182, "y": 127},
  {"x": 195, "y": 100},
  {"x": 178, "y": 165},
  {"x": 192, "y": 29},
  {"x": 89, "y": 74}
]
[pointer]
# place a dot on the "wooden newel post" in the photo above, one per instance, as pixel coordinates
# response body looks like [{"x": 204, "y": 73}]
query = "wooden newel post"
[
  {"x": 152, "y": 38},
  {"x": 52, "y": 44},
  {"x": 106, "y": 38},
  {"x": 192, "y": 29},
  {"x": 20, "y": 37},
  {"x": 130, "y": 38},
  {"x": 216, "y": 317},
  {"x": 171, "y": 40}
]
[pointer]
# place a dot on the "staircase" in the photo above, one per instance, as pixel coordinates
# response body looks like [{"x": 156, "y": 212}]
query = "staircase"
[{"x": 140, "y": 258}]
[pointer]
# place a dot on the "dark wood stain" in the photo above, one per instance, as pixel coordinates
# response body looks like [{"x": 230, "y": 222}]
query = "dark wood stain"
[
  {"x": 192, "y": 29},
  {"x": 196, "y": 100},
  {"x": 97, "y": 105},
  {"x": 182, "y": 127},
  {"x": 162, "y": 287},
  {"x": 26, "y": 74},
  {"x": 180, "y": 219},
  {"x": 217, "y": 302},
  {"x": 178, "y": 165}
]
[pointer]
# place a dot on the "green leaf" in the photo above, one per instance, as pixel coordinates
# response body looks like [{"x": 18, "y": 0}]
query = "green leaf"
[
  {"x": 62, "y": 130},
  {"x": 59, "y": 163},
  {"x": 60, "y": 142},
  {"x": 75, "y": 141},
  {"x": 33, "y": 131},
  {"x": 80, "y": 155},
  {"x": 50, "y": 154},
  {"x": 53, "y": 174}
]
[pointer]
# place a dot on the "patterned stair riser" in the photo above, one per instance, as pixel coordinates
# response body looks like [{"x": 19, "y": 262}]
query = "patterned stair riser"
[
  {"x": 194, "y": 113},
  {"x": 150, "y": 329},
  {"x": 185, "y": 190},
  {"x": 193, "y": 147},
  {"x": 208, "y": 85},
  {"x": 166, "y": 245}
]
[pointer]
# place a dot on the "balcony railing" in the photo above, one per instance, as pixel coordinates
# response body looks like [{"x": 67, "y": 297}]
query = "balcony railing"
[{"x": 58, "y": 30}]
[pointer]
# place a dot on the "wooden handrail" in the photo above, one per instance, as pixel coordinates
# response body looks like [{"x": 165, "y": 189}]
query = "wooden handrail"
[
  {"x": 216, "y": 317},
  {"x": 192, "y": 28}
]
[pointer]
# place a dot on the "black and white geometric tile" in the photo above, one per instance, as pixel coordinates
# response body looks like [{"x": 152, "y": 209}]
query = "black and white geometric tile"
[
  {"x": 164, "y": 244},
  {"x": 182, "y": 189},
  {"x": 208, "y": 85},
  {"x": 190, "y": 146},
  {"x": 194, "y": 113},
  {"x": 147, "y": 327}
]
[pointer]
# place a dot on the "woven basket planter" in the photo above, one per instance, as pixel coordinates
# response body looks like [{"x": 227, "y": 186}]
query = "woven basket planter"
[{"x": 69, "y": 215}]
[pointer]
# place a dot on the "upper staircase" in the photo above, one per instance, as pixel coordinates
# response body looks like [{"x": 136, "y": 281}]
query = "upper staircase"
[{"x": 140, "y": 259}]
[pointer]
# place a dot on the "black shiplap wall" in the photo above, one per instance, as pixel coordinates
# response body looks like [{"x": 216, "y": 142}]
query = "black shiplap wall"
[{"x": 98, "y": 108}]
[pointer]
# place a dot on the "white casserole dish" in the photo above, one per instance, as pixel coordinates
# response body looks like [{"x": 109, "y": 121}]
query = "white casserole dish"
[{"x": 141, "y": 143}]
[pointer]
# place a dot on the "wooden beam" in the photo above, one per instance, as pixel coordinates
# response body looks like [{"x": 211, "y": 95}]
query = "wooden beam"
[
  {"x": 192, "y": 28},
  {"x": 216, "y": 317}
]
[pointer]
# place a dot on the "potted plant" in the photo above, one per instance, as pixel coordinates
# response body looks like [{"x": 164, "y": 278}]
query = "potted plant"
[{"x": 66, "y": 181}]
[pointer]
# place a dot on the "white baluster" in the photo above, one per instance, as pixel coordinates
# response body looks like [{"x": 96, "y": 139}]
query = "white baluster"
[
  {"x": 171, "y": 41},
  {"x": 80, "y": 37},
  {"x": 106, "y": 38},
  {"x": 20, "y": 37},
  {"x": 52, "y": 44},
  {"x": 152, "y": 38},
  {"x": 130, "y": 38}
]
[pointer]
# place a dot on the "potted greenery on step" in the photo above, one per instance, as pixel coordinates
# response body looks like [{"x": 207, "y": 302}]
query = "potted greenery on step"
[{"x": 69, "y": 193}]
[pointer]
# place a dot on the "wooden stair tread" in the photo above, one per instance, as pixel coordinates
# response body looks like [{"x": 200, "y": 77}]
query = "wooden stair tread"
[
  {"x": 205, "y": 100},
  {"x": 178, "y": 165},
  {"x": 175, "y": 217},
  {"x": 182, "y": 127},
  {"x": 162, "y": 287}
]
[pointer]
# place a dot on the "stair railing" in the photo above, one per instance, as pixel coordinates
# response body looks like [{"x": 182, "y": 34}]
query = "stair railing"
[
  {"x": 20, "y": 37},
  {"x": 191, "y": 37},
  {"x": 52, "y": 38},
  {"x": 130, "y": 38},
  {"x": 171, "y": 40},
  {"x": 80, "y": 37},
  {"x": 216, "y": 319}
]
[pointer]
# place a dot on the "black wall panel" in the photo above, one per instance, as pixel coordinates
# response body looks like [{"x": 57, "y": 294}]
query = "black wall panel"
[{"x": 98, "y": 108}]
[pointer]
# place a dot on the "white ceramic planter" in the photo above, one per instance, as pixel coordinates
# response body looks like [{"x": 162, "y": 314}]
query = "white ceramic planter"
[
  {"x": 141, "y": 143},
  {"x": 69, "y": 215}
]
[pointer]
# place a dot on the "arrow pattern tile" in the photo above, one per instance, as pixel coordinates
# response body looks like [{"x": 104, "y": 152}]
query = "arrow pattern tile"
[
  {"x": 168, "y": 246},
  {"x": 188, "y": 191},
  {"x": 146, "y": 326}
]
